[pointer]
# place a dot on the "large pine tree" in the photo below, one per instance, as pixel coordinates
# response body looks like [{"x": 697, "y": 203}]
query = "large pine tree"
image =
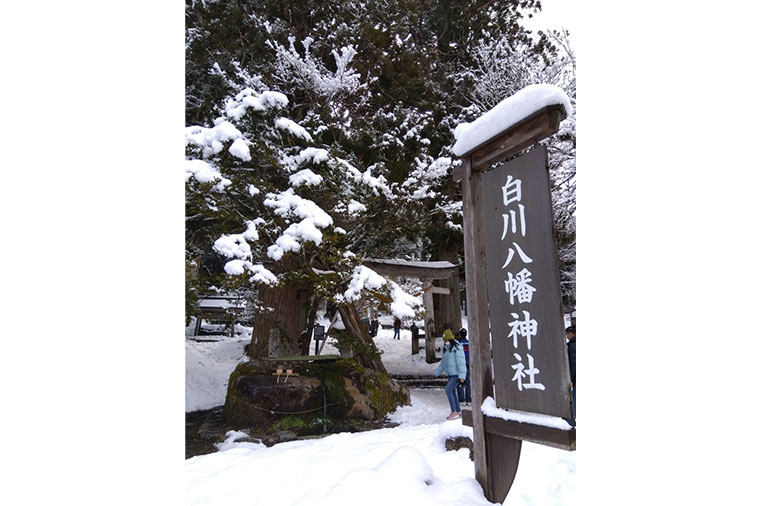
[{"x": 319, "y": 133}]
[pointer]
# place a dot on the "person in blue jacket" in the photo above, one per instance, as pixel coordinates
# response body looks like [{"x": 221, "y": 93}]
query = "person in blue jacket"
[
  {"x": 452, "y": 365},
  {"x": 464, "y": 392}
]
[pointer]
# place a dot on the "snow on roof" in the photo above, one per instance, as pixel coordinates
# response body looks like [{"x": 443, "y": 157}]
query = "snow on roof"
[
  {"x": 427, "y": 265},
  {"x": 506, "y": 113},
  {"x": 489, "y": 408},
  {"x": 218, "y": 302}
]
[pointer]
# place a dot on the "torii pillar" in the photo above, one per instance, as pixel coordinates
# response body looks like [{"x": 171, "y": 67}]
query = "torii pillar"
[{"x": 427, "y": 301}]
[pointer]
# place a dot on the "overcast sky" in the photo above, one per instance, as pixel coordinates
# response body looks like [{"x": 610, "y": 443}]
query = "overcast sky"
[{"x": 554, "y": 14}]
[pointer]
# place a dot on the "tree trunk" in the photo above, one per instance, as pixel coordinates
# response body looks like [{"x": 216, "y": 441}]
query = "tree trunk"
[
  {"x": 353, "y": 324},
  {"x": 290, "y": 304}
]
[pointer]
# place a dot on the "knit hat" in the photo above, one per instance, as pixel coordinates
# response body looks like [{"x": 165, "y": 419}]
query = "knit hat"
[{"x": 448, "y": 335}]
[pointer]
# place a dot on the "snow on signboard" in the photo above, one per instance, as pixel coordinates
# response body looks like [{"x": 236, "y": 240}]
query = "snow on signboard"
[
  {"x": 506, "y": 113},
  {"x": 490, "y": 409}
]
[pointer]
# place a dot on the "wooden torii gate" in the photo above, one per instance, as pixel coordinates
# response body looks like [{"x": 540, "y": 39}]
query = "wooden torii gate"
[
  {"x": 496, "y": 442},
  {"x": 426, "y": 272}
]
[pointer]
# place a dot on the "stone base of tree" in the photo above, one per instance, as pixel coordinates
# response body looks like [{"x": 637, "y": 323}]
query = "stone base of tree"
[{"x": 316, "y": 398}]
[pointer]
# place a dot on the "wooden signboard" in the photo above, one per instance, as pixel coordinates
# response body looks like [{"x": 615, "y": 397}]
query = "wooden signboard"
[
  {"x": 525, "y": 303},
  {"x": 495, "y": 227}
]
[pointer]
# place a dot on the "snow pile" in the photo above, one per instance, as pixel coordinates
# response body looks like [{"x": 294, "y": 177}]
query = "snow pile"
[
  {"x": 363, "y": 277},
  {"x": 249, "y": 99},
  {"x": 454, "y": 429},
  {"x": 355, "y": 207},
  {"x": 288, "y": 204},
  {"x": 489, "y": 408},
  {"x": 411, "y": 476},
  {"x": 208, "y": 366},
  {"x": 233, "y": 245},
  {"x": 377, "y": 184},
  {"x": 258, "y": 273},
  {"x": 203, "y": 172},
  {"x": 211, "y": 140},
  {"x": 294, "y": 128},
  {"x": 403, "y": 304},
  {"x": 240, "y": 150},
  {"x": 306, "y": 177},
  {"x": 236, "y": 247},
  {"x": 307, "y": 155},
  {"x": 407, "y": 464},
  {"x": 506, "y": 113}
]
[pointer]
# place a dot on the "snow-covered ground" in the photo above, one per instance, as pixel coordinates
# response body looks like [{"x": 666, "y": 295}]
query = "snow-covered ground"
[{"x": 407, "y": 464}]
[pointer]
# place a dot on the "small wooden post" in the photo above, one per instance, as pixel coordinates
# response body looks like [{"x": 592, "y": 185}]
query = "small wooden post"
[
  {"x": 427, "y": 299},
  {"x": 198, "y": 321}
]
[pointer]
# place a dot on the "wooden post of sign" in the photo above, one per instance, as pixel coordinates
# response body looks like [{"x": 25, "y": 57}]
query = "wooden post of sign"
[{"x": 480, "y": 346}]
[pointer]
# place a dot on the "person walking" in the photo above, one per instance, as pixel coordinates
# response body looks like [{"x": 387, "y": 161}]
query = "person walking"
[
  {"x": 452, "y": 365},
  {"x": 396, "y": 328},
  {"x": 570, "y": 335},
  {"x": 464, "y": 392}
]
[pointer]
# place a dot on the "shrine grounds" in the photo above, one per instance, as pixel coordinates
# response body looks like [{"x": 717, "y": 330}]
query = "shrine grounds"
[{"x": 406, "y": 464}]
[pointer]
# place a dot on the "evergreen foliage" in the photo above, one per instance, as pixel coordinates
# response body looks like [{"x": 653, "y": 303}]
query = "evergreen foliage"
[{"x": 322, "y": 131}]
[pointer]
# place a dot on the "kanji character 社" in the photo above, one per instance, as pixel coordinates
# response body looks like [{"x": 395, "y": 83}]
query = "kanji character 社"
[{"x": 521, "y": 372}]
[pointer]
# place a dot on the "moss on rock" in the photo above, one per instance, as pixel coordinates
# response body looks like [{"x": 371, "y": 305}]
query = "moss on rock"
[{"x": 324, "y": 395}]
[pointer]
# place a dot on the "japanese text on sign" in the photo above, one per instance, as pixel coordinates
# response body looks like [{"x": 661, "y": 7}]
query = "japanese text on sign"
[{"x": 518, "y": 285}]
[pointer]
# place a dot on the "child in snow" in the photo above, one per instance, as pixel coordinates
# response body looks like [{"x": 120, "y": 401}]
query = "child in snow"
[{"x": 452, "y": 365}]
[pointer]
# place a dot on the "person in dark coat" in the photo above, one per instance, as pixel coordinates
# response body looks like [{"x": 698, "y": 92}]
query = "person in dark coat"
[
  {"x": 464, "y": 392},
  {"x": 570, "y": 334},
  {"x": 396, "y": 328}
]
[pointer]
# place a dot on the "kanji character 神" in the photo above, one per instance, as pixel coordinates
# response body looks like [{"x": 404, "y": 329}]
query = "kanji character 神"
[{"x": 526, "y": 328}]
